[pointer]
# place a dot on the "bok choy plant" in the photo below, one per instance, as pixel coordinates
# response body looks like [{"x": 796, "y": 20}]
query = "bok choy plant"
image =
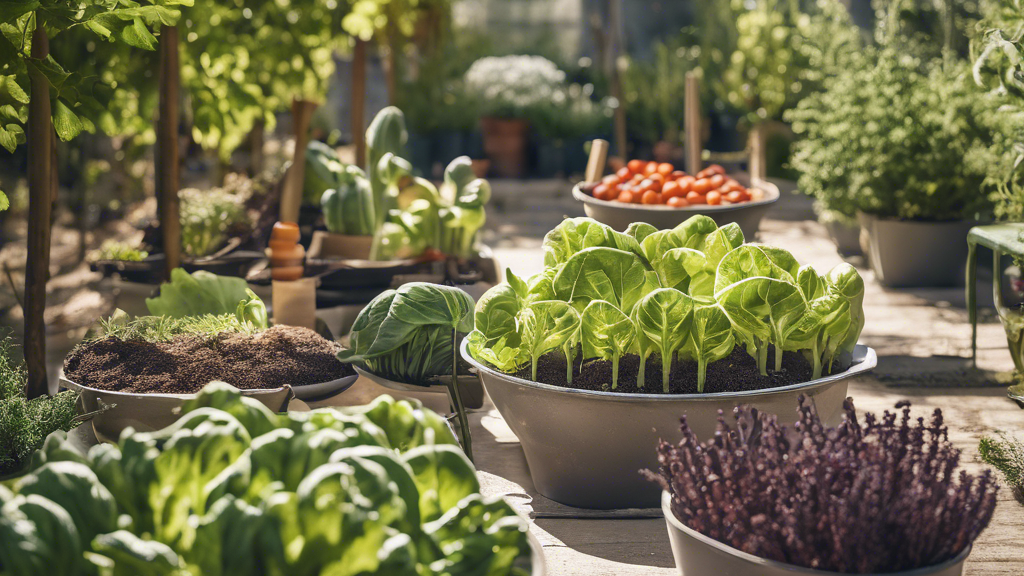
[
  {"x": 691, "y": 293},
  {"x": 411, "y": 335}
]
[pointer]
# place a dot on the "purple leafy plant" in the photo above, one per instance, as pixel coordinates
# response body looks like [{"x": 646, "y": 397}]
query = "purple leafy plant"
[{"x": 882, "y": 496}]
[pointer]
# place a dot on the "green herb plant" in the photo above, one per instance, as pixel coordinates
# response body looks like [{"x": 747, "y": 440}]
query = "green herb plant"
[
  {"x": 24, "y": 423},
  {"x": 688, "y": 294},
  {"x": 1005, "y": 454},
  {"x": 118, "y": 250},
  {"x": 207, "y": 217}
]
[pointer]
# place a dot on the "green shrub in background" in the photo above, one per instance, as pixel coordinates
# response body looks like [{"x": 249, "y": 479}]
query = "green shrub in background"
[
  {"x": 206, "y": 218},
  {"x": 893, "y": 136},
  {"x": 572, "y": 112}
]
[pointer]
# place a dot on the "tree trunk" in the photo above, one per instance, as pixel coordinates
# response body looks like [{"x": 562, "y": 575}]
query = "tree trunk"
[
  {"x": 291, "y": 196},
  {"x": 40, "y": 182},
  {"x": 168, "y": 171},
  {"x": 359, "y": 101}
]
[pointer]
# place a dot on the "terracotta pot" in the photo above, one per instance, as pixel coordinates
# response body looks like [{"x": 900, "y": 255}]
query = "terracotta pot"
[
  {"x": 505, "y": 145},
  {"x": 698, "y": 555},
  {"x": 907, "y": 253},
  {"x": 328, "y": 245}
]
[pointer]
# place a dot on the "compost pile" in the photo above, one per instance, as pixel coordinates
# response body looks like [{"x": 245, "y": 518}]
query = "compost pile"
[{"x": 187, "y": 362}]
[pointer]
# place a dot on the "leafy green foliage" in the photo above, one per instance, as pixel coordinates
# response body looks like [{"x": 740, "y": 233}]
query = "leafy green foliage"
[
  {"x": 233, "y": 488},
  {"x": 165, "y": 328},
  {"x": 690, "y": 293},
  {"x": 206, "y": 218},
  {"x": 548, "y": 325},
  {"x": 24, "y": 423},
  {"x": 406, "y": 334},
  {"x": 1006, "y": 455},
  {"x": 348, "y": 204},
  {"x": 117, "y": 250},
  {"x": 202, "y": 293},
  {"x": 606, "y": 333}
]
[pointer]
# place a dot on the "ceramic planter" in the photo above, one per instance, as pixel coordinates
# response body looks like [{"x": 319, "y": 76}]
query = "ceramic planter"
[
  {"x": 149, "y": 412},
  {"x": 844, "y": 236},
  {"x": 620, "y": 215},
  {"x": 469, "y": 387},
  {"x": 585, "y": 448},
  {"x": 328, "y": 245},
  {"x": 505, "y": 145},
  {"x": 699, "y": 555},
  {"x": 918, "y": 254}
]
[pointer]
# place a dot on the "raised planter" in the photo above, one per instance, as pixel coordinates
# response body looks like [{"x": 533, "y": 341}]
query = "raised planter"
[
  {"x": 469, "y": 387},
  {"x": 697, "y": 555},
  {"x": 620, "y": 215},
  {"x": 586, "y": 448},
  {"x": 916, "y": 254},
  {"x": 845, "y": 237},
  {"x": 328, "y": 245},
  {"x": 149, "y": 412},
  {"x": 505, "y": 145}
]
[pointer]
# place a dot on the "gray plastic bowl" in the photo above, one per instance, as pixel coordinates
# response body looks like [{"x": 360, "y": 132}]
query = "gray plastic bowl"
[
  {"x": 586, "y": 448},
  {"x": 699, "y": 555},
  {"x": 150, "y": 412},
  {"x": 620, "y": 215}
]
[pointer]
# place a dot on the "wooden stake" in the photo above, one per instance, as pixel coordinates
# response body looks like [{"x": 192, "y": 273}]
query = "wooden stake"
[
  {"x": 596, "y": 162},
  {"x": 169, "y": 177},
  {"x": 615, "y": 45},
  {"x": 359, "y": 101},
  {"x": 291, "y": 195},
  {"x": 758, "y": 162},
  {"x": 256, "y": 139},
  {"x": 40, "y": 205},
  {"x": 692, "y": 124}
]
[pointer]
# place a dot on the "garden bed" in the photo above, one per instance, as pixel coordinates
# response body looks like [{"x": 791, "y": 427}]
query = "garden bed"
[{"x": 187, "y": 362}]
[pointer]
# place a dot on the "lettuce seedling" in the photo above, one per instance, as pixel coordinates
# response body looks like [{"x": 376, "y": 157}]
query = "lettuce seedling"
[
  {"x": 663, "y": 319},
  {"x": 710, "y": 339},
  {"x": 599, "y": 273},
  {"x": 548, "y": 325},
  {"x": 606, "y": 333},
  {"x": 576, "y": 234}
]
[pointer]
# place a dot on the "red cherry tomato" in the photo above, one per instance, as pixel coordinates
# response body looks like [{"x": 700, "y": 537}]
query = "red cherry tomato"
[
  {"x": 672, "y": 189},
  {"x": 716, "y": 181},
  {"x": 695, "y": 198},
  {"x": 714, "y": 198},
  {"x": 665, "y": 168},
  {"x": 624, "y": 174},
  {"x": 650, "y": 168},
  {"x": 635, "y": 165},
  {"x": 678, "y": 202},
  {"x": 651, "y": 197}
]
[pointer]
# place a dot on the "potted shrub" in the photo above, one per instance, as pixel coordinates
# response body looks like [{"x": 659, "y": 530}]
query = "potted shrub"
[
  {"x": 507, "y": 87},
  {"x": 623, "y": 332},
  {"x": 564, "y": 125},
  {"x": 407, "y": 339},
  {"x": 884, "y": 496},
  {"x": 234, "y": 488},
  {"x": 203, "y": 327},
  {"x": 892, "y": 138}
]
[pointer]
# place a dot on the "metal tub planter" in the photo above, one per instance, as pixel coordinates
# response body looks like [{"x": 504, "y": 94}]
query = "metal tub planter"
[
  {"x": 585, "y": 448},
  {"x": 696, "y": 555}
]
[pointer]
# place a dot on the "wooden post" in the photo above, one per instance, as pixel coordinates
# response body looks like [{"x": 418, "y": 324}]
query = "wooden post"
[
  {"x": 256, "y": 140},
  {"x": 692, "y": 124},
  {"x": 615, "y": 46},
  {"x": 758, "y": 169},
  {"x": 169, "y": 181},
  {"x": 40, "y": 205},
  {"x": 359, "y": 101},
  {"x": 291, "y": 195}
]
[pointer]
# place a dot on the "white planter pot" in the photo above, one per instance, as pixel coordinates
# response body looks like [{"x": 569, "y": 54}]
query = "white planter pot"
[{"x": 919, "y": 254}]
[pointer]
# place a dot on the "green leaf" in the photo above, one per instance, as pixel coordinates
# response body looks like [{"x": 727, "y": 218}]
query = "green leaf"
[
  {"x": 606, "y": 274},
  {"x": 688, "y": 271},
  {"x": 720, "y": 242},
  {"x": 662, "y": 320},
  {"x": 547, "y": 326},
  {"x": 763, "y": 310},
  {"x": 710, "y": 339},
  {"x": 845, "y": 280},
  {"x": 811, "y": 284},
  {"x": 689, "y": 234},
  {"x": 11, "y": 93},
  {"x": 11, "y": 136},
  {"x": 748, "y": 261},
  {"x": 4, "y": 202},
  {"x": 138, "y": 35},
  {"x": 444, "y": 477},
  {"x": 66, "y": 123},
  {"x": 640, "y": 230},
  {"x": 11, "y": 10},
  {"x": 576, "y": 234},
  {"x": 606, "y": 333},
  {"x": 198, "y": 293},
  {"x": 497, "y": 312}
]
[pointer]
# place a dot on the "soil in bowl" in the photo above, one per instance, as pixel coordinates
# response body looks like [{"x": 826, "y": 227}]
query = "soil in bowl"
[
  {"x": 269, "y": 359},
  {"x": 736, "y": 373}
]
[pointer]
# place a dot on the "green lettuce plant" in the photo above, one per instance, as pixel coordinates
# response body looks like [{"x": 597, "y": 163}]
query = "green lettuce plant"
[
  {"x": 233, "y": 488},
  {"x": 690, "y": 293},
  {"x": 549, "y": 325},
  {"x": 203, "y": 293},
  {"x": 607, "y": 333}
]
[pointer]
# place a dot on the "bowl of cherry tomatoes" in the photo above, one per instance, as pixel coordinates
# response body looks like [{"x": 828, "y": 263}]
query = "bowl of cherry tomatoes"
[{"x": 660, "y": 195}]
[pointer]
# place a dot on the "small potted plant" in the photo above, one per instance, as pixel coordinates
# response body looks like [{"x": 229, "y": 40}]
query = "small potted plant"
[
  {"x": 507, "y": 87},
  {"x": 891, "y": 140},
  {"x": 882, "y": 496},
  {"x": 623, "y": 332}
]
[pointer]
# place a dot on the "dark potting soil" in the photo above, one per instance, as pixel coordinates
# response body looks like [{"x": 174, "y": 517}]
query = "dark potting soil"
[
  {"x": 736, "y": 373},
  {"x": 269, "y": 359}
]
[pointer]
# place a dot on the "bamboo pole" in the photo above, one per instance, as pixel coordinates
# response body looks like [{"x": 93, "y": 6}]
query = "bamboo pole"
[
  {"x": 291, "y": 195},
  {"x": 359, "y": 101},
  {"x": 615, "y": 46},
  {"x": 692, "y": 123},
  {"x": 758, "y": 161},
  {"x": 169, "y": 177},
  {"x": 40, "y": 183}
]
